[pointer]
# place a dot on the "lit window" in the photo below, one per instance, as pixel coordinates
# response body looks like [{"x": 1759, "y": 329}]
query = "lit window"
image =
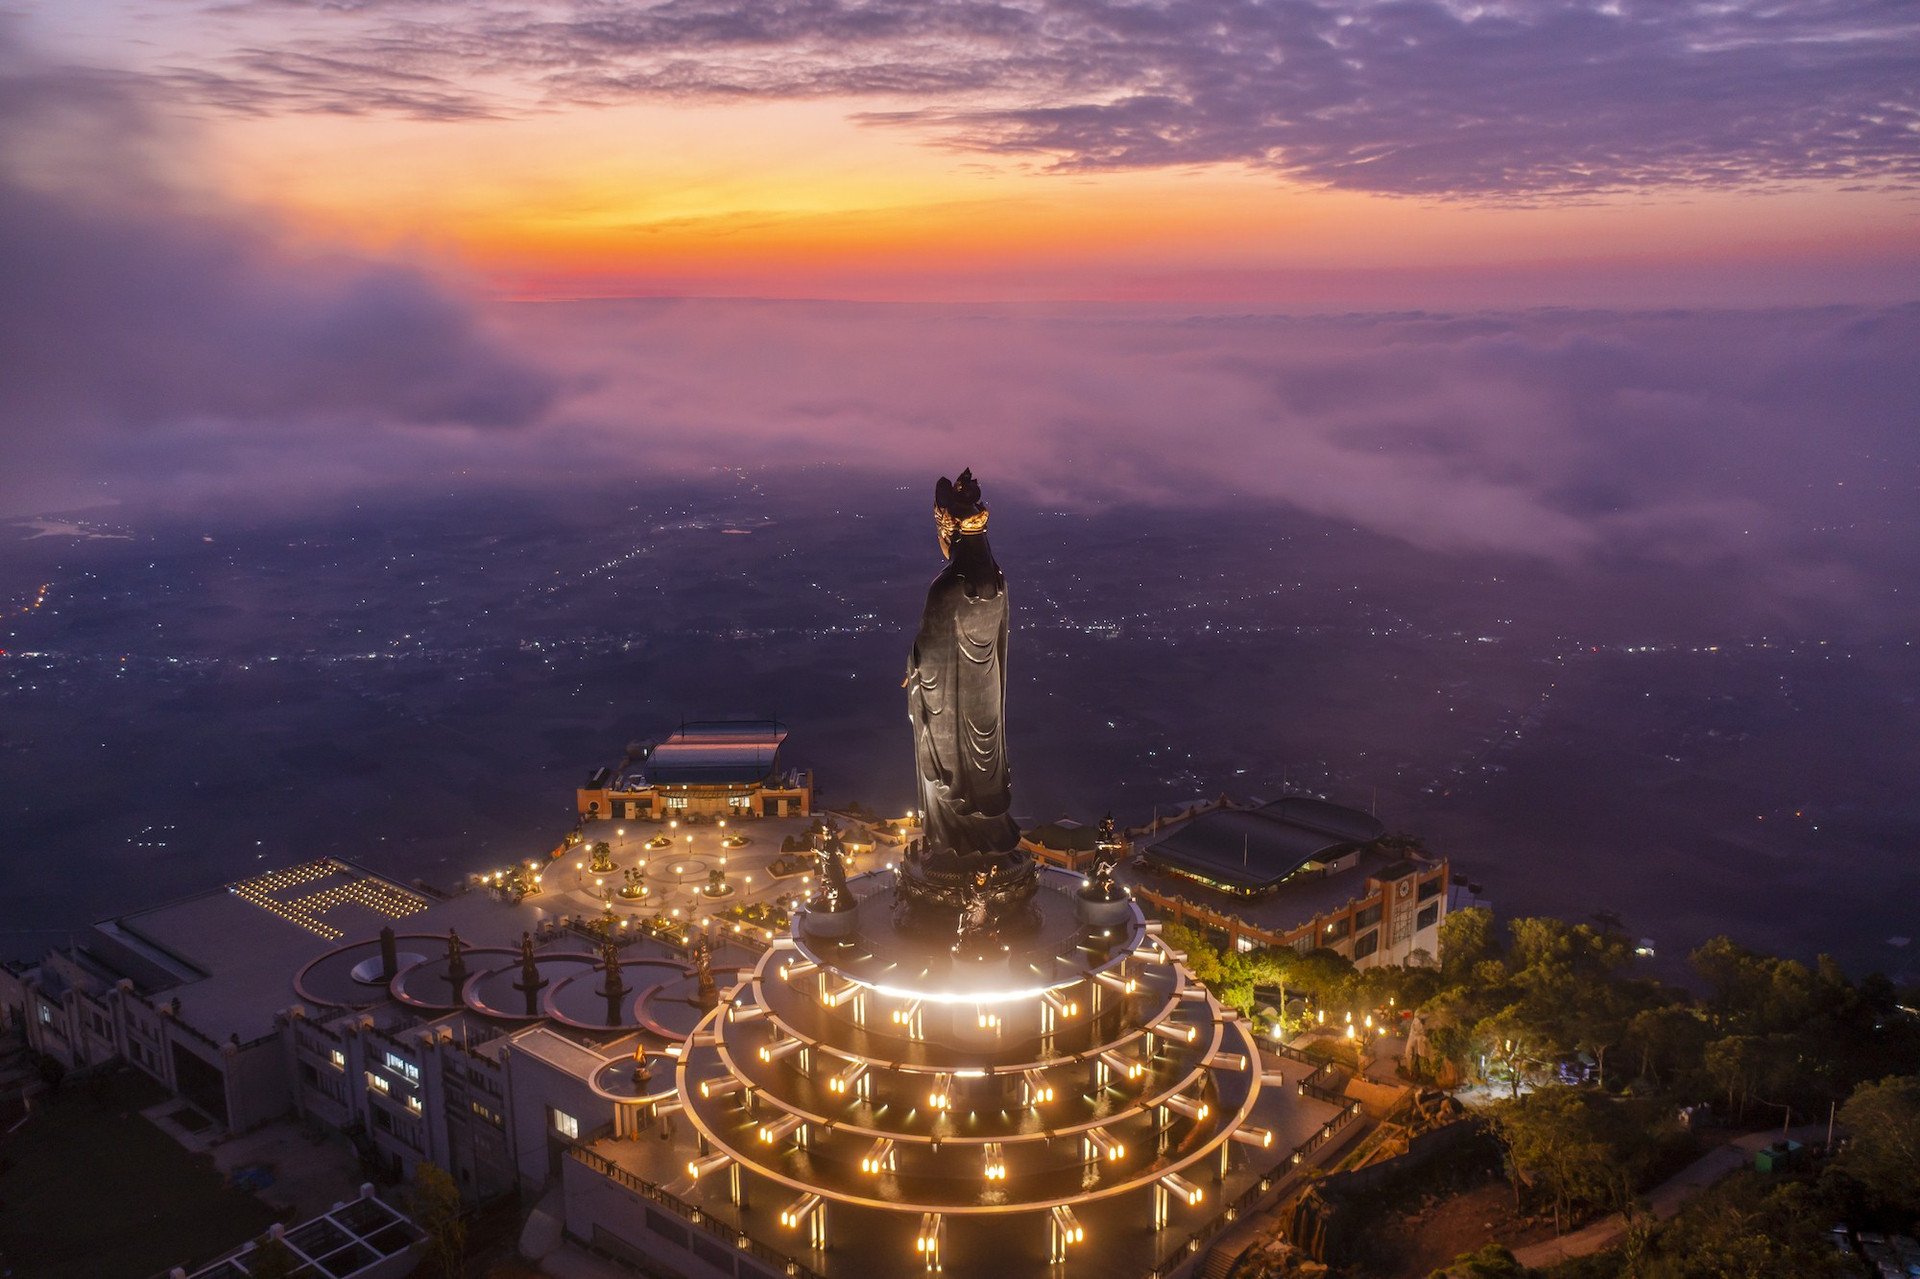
[
  {"x": 338, "y": 1058},
  {"x": 401, "y": 1066},
  {"x": 378, "y": 1083},
  {"x": 564, "y": 1124}
]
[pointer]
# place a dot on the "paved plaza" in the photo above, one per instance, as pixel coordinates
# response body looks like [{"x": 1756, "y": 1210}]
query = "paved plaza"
[{"x": 677, "y": 859}]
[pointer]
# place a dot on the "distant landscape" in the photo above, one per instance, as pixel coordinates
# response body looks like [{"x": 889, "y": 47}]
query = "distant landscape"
[{"x": 418, "y": 683}]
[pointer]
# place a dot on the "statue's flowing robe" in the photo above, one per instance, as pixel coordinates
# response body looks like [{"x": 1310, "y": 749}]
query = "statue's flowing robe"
[{"x": 956, "y": 699}]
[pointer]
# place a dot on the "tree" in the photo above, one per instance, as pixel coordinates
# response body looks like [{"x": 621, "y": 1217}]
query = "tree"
[
  {"x": 1466, "y": 938},
  {"x": 1756, "y": 993},
  {"x": 1599, "y": 1012},
  {"x": 436, "y": 1210},
  {"x": 1326, "y": 975},
  {"x": 1748, "y": 1228},
  {"x": 1385, "y": 984},
  {"x": 1577, "y": 1146},
  {"x": 1755, "y": 1067},
  {"x": 1538, "y": 941},
  {"x": 1516, "y": 1047},
  {"x": 1669, "y": 1041},
  {"x": 1202, "y": 959},
  {"x": 1883, "y": 1146}
]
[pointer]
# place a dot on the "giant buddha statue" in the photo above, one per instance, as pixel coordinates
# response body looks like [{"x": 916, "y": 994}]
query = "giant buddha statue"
[{"x": 956, "y": 700}]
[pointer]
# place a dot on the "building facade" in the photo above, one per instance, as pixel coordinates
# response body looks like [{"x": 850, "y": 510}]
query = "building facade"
[{"x": 1302, "y": 874}]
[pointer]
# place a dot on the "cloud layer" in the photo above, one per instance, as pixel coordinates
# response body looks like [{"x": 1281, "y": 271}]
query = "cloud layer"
[
  {"x": 1776, "y": 438},
  {"x": 1546, "y": 99},
  {"x": 138, "y": 313},
  {"x": 158, "y": 344}
]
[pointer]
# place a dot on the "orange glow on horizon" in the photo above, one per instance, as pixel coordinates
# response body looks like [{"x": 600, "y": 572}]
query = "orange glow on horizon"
[{"x": 795, "y": 200}]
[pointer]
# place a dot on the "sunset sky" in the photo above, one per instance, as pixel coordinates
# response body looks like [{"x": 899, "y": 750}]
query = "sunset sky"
[
  {"x": 1301, "y": 154},
  {"x": 1665, "y": 258}
]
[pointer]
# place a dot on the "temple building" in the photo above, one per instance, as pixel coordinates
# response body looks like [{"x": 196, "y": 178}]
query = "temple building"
[
  {"x": 1074, "y": 1095},
  {"x": 1297, "y": 872},
  {"x": 712, "y": 768},
  {"x": 769, "y": 1047},
  {"x": 967, "y": 1061}
]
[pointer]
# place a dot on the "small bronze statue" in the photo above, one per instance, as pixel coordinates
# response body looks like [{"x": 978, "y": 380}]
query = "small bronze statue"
[
  {"x": 707, "y": 995},
  {"x": 830, "y": 892},
  {"x": 531, "y": 982},
  {"x": 973, "y": 926},
  {"x": 614, "y": 986},
  {"x": 456, "y": 961}
]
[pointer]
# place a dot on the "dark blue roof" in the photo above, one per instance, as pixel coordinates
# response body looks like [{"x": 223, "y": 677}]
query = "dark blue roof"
[{"x": 1252, "y": 850}]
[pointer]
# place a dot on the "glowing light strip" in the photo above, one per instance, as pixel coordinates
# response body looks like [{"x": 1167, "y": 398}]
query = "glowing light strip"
[{"x": 1025, "y": 994}]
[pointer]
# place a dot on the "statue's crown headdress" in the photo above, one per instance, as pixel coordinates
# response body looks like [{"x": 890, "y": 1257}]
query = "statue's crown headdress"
[{"x": 957, "y": 508}]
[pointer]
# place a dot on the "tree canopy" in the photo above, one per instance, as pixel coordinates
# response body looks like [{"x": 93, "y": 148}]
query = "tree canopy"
[{"x": 1883, "y": 1148}]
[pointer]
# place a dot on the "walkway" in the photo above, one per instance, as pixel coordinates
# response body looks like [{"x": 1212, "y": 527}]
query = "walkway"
[{"x": 1666, "y": 1198}]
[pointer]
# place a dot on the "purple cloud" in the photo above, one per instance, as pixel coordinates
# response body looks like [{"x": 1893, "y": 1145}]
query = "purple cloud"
[
  {"x": 143, "y": 319},
  {"x": 1776, "y": 443},
  {"x": 1413, "y": 97}
]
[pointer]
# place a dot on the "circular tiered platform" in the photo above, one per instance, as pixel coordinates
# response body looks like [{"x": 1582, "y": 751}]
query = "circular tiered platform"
[{"x": 868, "y": 1061}]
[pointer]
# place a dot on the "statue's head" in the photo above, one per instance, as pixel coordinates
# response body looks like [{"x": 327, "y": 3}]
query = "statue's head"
[{"x": 958, "y": 510}]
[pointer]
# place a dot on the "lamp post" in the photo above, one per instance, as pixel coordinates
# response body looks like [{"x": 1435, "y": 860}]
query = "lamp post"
[{"x": 1360, "y": 1038}]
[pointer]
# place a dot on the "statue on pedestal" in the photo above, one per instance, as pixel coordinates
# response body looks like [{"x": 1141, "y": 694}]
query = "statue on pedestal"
[
  {"x": 1104, "y": 902},
  {"x": 830, "y": 889},
  {"x": 956, "y": 701},
  {"x": 531, "y": 982},
  {"x": 614, "y": 986},
  {"x": 456, "y": 962},
  {"x": 707, "y": 994},
  {"x": 957, "y": 684},
  {"x": 1106, "y": 855},
  {"x": 973, "y": 930}
]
